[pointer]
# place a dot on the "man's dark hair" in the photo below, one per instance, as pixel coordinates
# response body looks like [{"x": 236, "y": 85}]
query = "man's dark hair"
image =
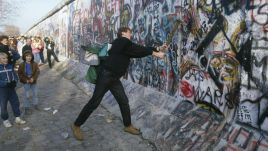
[
  {"x": 28, "y": 38},
  {"x": 46, "y": 39},
  {"x": 2, "y": 37},
  {"x": 121, "y": 30}
]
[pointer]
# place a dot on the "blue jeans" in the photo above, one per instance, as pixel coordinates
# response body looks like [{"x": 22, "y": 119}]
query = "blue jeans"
[
  {"x": 9, "y": 94},
  {"x": 37, "y": 57},
  {"x": 27, "y": 89},
  {"x": 42, "y": 57}
]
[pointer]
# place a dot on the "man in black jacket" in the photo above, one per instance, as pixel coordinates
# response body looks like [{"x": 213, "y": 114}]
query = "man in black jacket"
[
  {"x": 50, "y": 45},
  {"x": 109, "y": 75},
  {"x": 27, "y": 46}
]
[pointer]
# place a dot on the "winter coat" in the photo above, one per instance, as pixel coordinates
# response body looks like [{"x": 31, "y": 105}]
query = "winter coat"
[
  {"x": 120, "y": 53},
  {"x": 22, "y": 74},
  {"x": 8, "y": 77}
]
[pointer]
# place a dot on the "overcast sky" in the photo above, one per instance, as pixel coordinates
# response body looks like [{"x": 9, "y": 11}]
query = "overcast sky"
[{"x": 31, "y": 11}]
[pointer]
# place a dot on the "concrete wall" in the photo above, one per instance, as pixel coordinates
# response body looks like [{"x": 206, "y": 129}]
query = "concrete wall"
[{"x": 211, "y": 89}]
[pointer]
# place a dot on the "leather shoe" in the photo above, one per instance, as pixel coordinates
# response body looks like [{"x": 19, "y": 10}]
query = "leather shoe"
[
  {"x": 132, "y": 130},
  {"x": 77, "y": 132}
]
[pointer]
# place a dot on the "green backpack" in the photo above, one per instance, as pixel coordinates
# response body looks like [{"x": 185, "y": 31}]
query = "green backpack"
[
  {"x": 91, "y": 75},
  {"x": 102, "y": 52}
]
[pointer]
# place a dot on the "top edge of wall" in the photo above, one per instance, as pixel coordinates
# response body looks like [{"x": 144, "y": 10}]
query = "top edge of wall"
[{"x": 57, "y": 8}]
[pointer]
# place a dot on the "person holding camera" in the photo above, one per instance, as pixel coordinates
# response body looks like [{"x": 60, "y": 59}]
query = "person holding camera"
[{"x": 50, "y": 45}]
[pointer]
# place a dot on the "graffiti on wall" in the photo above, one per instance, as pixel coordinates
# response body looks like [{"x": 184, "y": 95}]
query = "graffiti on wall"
[{"x": 217, "y": 54}]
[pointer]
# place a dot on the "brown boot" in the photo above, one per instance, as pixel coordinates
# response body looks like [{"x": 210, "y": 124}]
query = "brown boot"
[
  {"x": 132, "y": 130},
  {"x": 77, "y": 132}
]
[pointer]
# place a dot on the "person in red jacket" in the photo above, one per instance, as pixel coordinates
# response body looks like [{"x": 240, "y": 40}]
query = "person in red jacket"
[{"x": 109, "y": 75}]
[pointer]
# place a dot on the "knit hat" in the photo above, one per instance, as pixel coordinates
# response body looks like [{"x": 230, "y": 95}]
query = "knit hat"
[{"x": 27, "y": 52}]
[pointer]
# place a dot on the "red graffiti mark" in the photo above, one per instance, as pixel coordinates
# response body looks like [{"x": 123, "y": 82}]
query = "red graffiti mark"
[
  {"x": 244, "y": 133},
  {"x": 265, "y": 28},
  {"x": 230, "y": 147},
  {"x": 231, "y": 138},
  {"x": 207, "y": 75},
  {"x": 186, "y": 88},
  {"x": 171, "y": 74},
  {"x": 261, "y": 145}
]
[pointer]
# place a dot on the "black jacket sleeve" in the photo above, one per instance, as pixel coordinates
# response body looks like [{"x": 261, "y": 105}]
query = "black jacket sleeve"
[{"x": 138, "y": 51}]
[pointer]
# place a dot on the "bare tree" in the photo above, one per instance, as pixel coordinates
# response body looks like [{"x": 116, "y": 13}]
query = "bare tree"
[
  {"x": 11, "y": 30},
  {"x": 8, "y": 9},
  {"x": 4, "y": 11}
]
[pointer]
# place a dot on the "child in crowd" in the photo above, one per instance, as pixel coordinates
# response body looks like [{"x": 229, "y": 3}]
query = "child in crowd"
[
  {"x": 28, "y": 73},
  {"x": 13, "y": 55},
  {"x": 8, "y": 81}
]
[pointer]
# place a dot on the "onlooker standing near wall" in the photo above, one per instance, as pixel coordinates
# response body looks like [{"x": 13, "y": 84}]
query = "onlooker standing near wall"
[
  {"x": 28, "y": 73},
  {"x": 21, "y": 43},
  {"x": 27, "y": 46},
  {"x": 13, "y": 55},
  {"x": 8, "y": 81},
  {"x": 41, "y": 49},
  {"x": 50, "y": 45},
  {"x": 35, "y": 50}
]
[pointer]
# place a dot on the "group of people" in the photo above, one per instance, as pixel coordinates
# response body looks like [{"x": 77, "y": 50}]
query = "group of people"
[
  {"x": 111, "y": 70},
  {"x": 37, "y": 45},
  {"x": 28, "y": 53},
  {"x": 8, "y": 81}
]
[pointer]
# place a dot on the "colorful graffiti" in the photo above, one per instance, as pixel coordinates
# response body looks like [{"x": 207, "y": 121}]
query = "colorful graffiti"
[{"x": 217, "y": 56}]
